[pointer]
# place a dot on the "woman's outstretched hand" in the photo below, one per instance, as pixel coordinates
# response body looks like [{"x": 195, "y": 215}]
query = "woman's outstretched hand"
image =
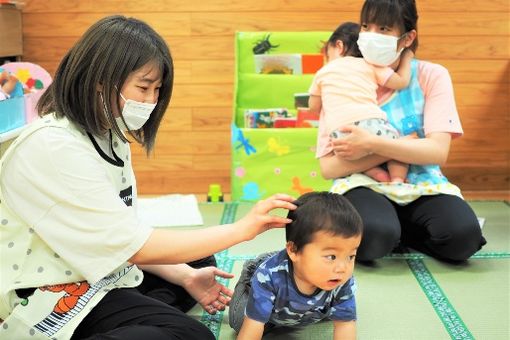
[
  {"x": 207, "y": 291},
  {"x": 259, "y": 220},
  {"x": 355, "y": 145}
]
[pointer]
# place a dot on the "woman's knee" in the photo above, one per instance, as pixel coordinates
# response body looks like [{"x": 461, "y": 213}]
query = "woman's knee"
[
  {"x": 457, "y": 242},
  {"x": 204, "y": 262},
  {"x": 378, "y": 240},
  {"x": 453, "y": 229},
  {"x": 198, "y": 331},
  {"x": 381, "y": 225}
]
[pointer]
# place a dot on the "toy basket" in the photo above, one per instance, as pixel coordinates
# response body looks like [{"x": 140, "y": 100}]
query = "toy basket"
[
  {"x": 12, "y": 113},
  {"x": 35, "y": 79}
]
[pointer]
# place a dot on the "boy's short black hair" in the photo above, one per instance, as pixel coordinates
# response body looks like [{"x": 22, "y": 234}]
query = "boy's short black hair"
[{"x": 322, "y": 211}]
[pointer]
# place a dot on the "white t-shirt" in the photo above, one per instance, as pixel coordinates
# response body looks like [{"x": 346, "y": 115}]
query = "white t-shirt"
[{"x": 66, "y": 218}]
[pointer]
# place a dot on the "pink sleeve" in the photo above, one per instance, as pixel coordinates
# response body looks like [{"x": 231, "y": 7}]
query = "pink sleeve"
[
  {"x": 382, "y": 74},
  {"x": 440, "y": 111},
  {"x": 315, "y": 89},
  {"x": 323, "y": 146}
]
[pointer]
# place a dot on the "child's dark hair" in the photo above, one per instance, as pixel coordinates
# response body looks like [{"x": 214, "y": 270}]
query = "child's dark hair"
[
  {"x": 99, "y": 64},
  {"x": 392, "y": 13},
  {"x": 347, "y": 33},
  {"x": 322, "y": 211}
]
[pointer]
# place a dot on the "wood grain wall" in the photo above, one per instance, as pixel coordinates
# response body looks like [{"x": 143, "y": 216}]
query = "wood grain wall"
[{"x": 469, "y": 37}]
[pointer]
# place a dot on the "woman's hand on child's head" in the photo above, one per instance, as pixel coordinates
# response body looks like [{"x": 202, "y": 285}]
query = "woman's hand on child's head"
[
  {"x": 353, "y": 146},
  {"x": 259, "y": 220}
]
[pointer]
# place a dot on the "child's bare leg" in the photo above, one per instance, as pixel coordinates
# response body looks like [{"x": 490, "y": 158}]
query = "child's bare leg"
[
  {"x": 378, "y": 173},
  {"x": 398, "y": 171}
]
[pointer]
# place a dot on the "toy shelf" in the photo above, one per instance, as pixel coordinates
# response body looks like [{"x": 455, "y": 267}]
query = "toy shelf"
[{"x": 271, "y": 160}]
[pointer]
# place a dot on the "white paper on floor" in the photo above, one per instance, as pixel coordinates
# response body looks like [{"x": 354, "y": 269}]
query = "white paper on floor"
[{"x": 170, "y": 211}]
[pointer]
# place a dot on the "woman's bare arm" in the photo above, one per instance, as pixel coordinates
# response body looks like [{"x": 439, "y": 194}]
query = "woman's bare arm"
[
  {"x": 361, "y": 150},
  {"x": 333, "y": 166},
  {"x": 433, "y": 149},
  {"x": 170, "y": 246}
]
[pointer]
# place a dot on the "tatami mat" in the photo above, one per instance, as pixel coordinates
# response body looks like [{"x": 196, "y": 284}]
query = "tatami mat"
[
  {"x": 497, "y": 224},
  {"x": 480, "y": 293},
  {"x": 406, "y": 297}
]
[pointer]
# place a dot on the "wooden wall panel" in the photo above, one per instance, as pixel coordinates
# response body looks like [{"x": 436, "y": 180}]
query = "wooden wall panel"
[
  {"x": 469, "y": 37},
  {"x": 221, "y": 71},
  {"x": 222, "y": 47},
  {"x": 434, "y": 6}
]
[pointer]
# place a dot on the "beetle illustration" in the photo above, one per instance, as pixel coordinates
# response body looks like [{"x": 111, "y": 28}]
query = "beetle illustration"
[{"x": 263, "y": 45}]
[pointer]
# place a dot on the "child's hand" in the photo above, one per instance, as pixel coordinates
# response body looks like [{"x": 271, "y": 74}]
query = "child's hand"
[
  {"x": 258, "y": 219},
  {"x": 354, "y": 145},
  {"x": 408, "y": 54}
]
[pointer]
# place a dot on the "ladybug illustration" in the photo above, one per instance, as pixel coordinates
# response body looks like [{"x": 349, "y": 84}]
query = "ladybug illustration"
[{"x": 264, "y": 45}]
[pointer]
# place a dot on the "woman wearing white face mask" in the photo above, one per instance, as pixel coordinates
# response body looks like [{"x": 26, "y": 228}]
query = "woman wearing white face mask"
[
  {"x": 427, "y": 212},
  {"x": 76, "y": 261},
  {"x": 134, "y": 113},
  {"x": 344, "y": 91}
]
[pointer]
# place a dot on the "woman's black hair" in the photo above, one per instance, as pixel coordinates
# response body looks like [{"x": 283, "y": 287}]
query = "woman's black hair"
[
  {"x": 401, "y": 14},
  {"x": 98, "y": 65},
  {"x": 321, "y": 211},
  {"x": 347, "y": 33}
]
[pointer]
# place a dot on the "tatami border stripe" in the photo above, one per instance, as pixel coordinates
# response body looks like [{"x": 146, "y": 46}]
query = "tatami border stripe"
[
  {"x": 229, "y": 213},
  {"x": 223, "y": 262},
  {"x": 444, "y": 309},
  {"x": 409, "y": 256},
  {"x": 479, "y": 255},
  {"x": 213, "y": 322}
]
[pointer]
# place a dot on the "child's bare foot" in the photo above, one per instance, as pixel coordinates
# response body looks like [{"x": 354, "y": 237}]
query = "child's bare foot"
[
  {"x": 397, "y": 180},
  {"x": 379, "y": 174}
]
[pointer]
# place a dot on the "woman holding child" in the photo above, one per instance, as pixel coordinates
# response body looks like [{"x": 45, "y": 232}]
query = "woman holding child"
[{"x": 427, "y": 212}]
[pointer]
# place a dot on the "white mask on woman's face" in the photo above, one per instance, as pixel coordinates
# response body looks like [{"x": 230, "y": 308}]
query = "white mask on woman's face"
[
  {"x": 379, "y": 49},
  {"x": 136, "y": 114}
]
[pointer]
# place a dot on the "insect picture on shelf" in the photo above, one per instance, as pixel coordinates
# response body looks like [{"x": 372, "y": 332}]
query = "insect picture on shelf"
[{"x": 263, "y": 45}]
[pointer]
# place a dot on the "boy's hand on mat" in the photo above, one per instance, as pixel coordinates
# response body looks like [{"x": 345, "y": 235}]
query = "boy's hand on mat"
[
  {"x": 259, "y": 220},
  {"x": 209, "y": 293}
]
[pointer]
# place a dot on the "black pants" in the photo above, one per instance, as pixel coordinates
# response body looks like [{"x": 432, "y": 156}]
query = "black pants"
[
  {"x": 154, "y": 310},
  {"x": 442, "y": 226}
]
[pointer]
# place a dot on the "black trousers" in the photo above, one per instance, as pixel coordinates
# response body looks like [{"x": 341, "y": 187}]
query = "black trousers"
[
  {"x": 442, "y": 226},
  {"x": 154, "y": 310}
]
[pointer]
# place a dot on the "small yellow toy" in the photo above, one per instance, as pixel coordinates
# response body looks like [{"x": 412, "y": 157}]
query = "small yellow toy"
[{"x": 214, "y": 194}]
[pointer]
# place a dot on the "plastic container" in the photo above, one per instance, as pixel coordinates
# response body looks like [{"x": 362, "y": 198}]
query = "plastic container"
[
  {"x": 25, "y": 72},
  {"x": 12, "y": 113}
]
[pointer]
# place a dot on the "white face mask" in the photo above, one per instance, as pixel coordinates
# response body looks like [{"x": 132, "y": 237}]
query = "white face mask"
[
  {"x": 135, "y": 114},
  {"x": 379, "y": 49}
]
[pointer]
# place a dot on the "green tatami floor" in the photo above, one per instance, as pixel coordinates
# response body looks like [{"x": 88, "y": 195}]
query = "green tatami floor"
[{"x": 404, "y": 296}]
